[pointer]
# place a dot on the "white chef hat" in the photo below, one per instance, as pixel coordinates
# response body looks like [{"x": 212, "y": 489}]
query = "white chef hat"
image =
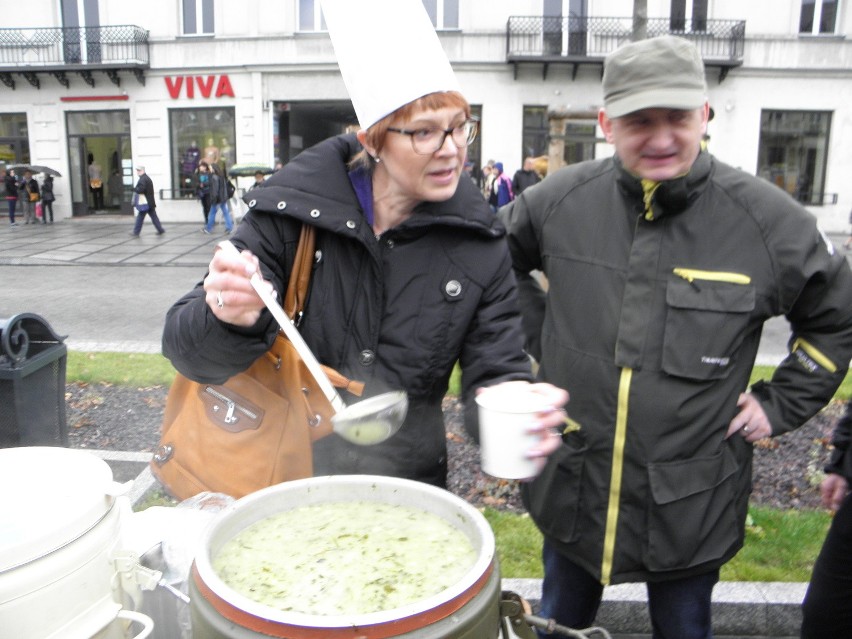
[{"x": 388, "y": 53}]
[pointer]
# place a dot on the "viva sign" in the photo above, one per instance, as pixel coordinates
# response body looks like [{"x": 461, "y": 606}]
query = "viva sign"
[{"x": 204, "y": 86}]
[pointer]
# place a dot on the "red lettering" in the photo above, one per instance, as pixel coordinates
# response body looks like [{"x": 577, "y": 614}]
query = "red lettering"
[
  {"x": 174, "y": 87},
  {"x": 205, "y": 86},
  {"x": 224, "y": 87}
]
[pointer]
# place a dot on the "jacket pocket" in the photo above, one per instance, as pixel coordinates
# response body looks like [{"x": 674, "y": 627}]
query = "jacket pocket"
[
  {"x": 692, "y": 518},
  {"x": 713, "y": 305},
  {"x": 553, "y": 498}
]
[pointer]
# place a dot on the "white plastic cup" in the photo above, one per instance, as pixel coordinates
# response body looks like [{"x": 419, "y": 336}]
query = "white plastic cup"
[{"x": 506, "y": 412}]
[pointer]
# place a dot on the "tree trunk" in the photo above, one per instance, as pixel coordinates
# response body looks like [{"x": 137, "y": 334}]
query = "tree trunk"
[{"x": 640, "y": 20}]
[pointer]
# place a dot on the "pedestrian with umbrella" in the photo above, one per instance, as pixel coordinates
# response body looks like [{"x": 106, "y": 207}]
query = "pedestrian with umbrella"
[
  {"x": 47, "y": 198},
  {"x": 11, "y": 186},
  {"x": 29, "y": 193}
]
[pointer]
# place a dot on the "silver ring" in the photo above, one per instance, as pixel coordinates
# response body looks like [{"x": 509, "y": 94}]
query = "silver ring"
[
  {"x": 745, "y": 429},
  {"x": 219, "y": 301}
]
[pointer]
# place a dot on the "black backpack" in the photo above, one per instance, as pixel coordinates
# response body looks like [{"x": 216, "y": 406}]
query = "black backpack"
[{"x": 229, "y": 186}]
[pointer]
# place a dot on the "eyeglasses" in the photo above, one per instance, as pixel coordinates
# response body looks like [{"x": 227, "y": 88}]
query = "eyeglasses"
[{"x": 427, "y": 140}]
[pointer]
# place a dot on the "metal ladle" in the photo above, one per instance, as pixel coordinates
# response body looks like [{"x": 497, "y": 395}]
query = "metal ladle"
[{"x": 368, "y": 422}]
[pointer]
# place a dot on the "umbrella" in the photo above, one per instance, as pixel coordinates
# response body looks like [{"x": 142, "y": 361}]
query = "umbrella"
[
  {"x": 35, "y": 168},
  {"x": 249, "y": 168}
]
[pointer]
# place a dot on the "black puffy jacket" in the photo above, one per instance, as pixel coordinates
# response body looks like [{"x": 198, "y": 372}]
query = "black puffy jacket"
[{"x": 395, "y": 312}]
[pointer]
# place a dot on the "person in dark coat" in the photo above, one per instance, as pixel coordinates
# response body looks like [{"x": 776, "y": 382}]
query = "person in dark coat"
[
  {"x": 412, "y": 273},
  {"x": 47, "y": 199},
  {"x": 827, "y": 608},
  {"x": 29, "y": 193},
  {"x": 525, "y": 177},
  {"x": 663, "y": 264},
  {"x": 10, "y": 184},
  {"x": 145, "y": 186}
]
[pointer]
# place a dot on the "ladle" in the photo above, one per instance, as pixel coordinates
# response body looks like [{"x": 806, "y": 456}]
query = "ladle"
[{"x": 370, "y": 421}]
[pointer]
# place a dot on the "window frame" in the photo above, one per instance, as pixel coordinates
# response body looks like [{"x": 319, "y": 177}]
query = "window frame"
[
  {"x": 202, "y": 15},
  {"x": 817, "y": 18},
  {"x": 803, "y": 135}
]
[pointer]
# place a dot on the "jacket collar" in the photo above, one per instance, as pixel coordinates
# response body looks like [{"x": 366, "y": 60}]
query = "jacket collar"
[
  {"x": 668, "y": 197},
  {"x": 317, "y": 179}
]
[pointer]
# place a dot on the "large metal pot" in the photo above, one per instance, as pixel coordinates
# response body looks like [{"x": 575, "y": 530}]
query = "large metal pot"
[
  {"x": 467, "y": 610},
  {"x": 59, "y": 543}
]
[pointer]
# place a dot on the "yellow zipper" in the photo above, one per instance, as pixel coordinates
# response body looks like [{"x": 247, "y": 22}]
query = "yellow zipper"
[
  {"x": 691, "y": 274},
  {"x": 815, "y": 354},
  {"x": 616, "y": 475}
]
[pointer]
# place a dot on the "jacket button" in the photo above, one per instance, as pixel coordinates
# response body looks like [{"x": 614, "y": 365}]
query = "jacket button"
[
  {"x": 453, "y": 288},
  {"x": 282, "y": 206},
  {"x": 366, "y": 357},
  {"x": 252, "y": 203},
  {"x": 315, "y": 213},
  {"x": 318, "y": 256},
  {"x": 391, "y": 244},
  {"x": 350, "y": 224}
]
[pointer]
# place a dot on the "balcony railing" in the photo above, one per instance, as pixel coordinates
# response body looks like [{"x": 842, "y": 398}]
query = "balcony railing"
[
  {"x": 73, "y": 49},
  {"x": 577, "y": 40}
]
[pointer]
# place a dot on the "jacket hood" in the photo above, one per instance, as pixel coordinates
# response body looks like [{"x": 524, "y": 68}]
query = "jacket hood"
[{"x": 318, "y": 178}]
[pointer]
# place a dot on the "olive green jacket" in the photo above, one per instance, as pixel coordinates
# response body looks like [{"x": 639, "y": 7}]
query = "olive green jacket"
[{"x": 652, "y": 322}]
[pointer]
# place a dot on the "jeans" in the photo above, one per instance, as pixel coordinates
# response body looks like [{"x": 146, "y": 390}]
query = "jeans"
[
  {"x": 679, "y": 609},
  {"x": 226, "y": 215},
  {"x": 827, "y": 609},
  {"x": 140, "y": 217},
  {"x": 12, "y": 202}
]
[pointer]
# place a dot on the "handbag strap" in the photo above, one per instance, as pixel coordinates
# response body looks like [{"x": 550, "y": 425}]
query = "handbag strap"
[{"x": 300, "y": 275}]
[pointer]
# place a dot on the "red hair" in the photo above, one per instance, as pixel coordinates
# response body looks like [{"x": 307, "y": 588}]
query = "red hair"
[{"x": 377, "y": 133}]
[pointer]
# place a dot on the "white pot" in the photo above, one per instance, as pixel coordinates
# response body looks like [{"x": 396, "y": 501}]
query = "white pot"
[{"x": 62, "y": 520}]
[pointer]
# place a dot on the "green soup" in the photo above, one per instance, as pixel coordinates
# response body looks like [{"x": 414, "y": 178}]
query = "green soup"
[{"x": 345, "y": 558}]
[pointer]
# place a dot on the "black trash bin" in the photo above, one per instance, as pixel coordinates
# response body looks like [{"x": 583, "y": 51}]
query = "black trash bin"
[{"x": 33, "y": 359}]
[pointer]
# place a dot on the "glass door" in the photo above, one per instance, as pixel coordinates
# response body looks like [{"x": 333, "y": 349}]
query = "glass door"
[{"x": 100, "y": 152}]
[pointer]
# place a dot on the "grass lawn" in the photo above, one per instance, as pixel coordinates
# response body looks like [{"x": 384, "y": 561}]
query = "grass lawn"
[{"x": 780, "y": 545}]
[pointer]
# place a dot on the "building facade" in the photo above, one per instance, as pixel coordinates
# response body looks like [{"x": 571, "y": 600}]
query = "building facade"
[{"x": 100, "y": 85}]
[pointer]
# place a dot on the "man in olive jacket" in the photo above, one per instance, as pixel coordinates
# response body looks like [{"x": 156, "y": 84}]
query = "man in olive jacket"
[{"x": 663, "y": 264}]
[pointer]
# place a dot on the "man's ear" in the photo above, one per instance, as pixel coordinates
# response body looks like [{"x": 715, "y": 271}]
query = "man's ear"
[{"x": 605, "y": 124}]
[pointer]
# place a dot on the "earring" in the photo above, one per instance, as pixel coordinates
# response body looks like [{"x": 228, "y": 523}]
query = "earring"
[{"x": 377, "y": 160}]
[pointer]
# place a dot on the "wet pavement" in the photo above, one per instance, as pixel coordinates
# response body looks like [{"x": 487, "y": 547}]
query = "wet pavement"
[{"x": 109, "y": 291}]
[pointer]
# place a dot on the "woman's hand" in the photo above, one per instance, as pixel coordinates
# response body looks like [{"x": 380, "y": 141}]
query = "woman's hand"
[
  {"x": 549, "y": 424},
  {"x": 230, "y": 294}
]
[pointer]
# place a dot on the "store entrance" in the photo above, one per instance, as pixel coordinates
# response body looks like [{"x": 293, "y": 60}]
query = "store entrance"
[{"x": 101, "y": 163}]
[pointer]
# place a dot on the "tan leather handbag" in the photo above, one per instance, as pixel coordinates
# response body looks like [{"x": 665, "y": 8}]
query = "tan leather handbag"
[{"x": 256, "y": 429}]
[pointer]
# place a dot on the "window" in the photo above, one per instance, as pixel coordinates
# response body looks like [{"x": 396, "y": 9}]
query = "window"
[
  {"x": 197, "y": 17},
  {"x": 793, "y": 152},
  {"x": 688, "y": 15},
  {"x": 818, "y": 17},
  {"x": 310, "y": 16},
  {"x": 14, "y": 145},
  {"x": 578, "y": 139},
  {"x": 199, "y": 134},
  {"x": 443, "y": 13}
]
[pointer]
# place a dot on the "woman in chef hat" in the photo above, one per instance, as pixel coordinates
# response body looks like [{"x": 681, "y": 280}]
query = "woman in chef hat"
[{"x": 412, "y": 273}]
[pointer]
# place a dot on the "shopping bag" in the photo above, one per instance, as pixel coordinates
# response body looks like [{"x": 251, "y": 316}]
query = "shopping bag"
[
  {"x": 38, "y": 210},
  {"x": 140, "y": 202}
]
